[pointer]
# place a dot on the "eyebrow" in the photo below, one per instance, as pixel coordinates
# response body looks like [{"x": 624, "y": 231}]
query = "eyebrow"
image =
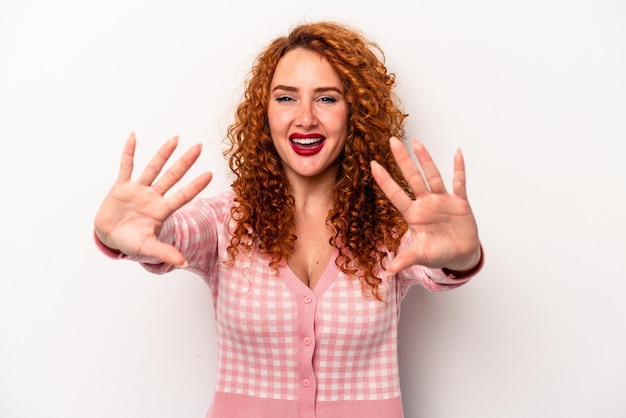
[{"x": 317, "y": 90}]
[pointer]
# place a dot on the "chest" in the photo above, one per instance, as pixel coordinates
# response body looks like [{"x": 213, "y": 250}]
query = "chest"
[
  {"x": 271, "y": 309},
  {"x": 311, "y": 254}
]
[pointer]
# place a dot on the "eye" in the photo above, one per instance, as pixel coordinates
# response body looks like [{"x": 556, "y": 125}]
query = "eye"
[
  {"x": 281, "y": 99},
  {"x": 327, "y": 99}
]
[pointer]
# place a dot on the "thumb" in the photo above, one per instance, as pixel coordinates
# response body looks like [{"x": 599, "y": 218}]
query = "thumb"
[
  {"x": 401, "y": 261},
  {"x": 165, "y": 253}
]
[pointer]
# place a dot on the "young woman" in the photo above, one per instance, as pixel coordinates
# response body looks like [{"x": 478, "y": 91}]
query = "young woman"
[{"x": 328, "y": 224}]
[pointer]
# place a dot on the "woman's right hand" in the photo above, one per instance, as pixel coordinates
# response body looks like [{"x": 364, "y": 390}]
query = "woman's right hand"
[{"x": 131, "y": 216}]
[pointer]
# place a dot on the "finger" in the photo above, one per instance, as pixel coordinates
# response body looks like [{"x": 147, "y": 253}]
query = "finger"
[
  {"x": 408, "y": 167},
  {"x": 178, "y": 169},
  {"x": 187, "y": 193},
  {"x": 157, "y": 162},
  {"x": 431, "y": 172},
  {"x": 400, "y": 262},
  {"x": 128, "y": 155},
  {"x": 164, "y": 252},
  {"x": 396, "y": 195},
  {"x": 459, "y": 179}
]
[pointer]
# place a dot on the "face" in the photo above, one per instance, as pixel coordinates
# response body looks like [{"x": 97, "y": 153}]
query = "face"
[{"x": 308, "y": 115}]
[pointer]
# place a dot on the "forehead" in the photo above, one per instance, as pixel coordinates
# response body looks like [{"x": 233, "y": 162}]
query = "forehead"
[{"x": 301, "y": 67}]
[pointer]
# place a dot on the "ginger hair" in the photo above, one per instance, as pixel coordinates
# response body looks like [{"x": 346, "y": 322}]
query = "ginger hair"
[{"x": 364, "y": 221}]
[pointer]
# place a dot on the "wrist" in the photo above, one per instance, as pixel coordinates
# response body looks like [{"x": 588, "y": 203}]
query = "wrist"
[
  {"x": 469, "y": 268},
  {"x": 109, "y": 251}
]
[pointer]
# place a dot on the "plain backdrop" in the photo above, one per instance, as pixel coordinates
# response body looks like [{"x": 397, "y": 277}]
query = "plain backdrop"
[{"x": 533, "y": 91}]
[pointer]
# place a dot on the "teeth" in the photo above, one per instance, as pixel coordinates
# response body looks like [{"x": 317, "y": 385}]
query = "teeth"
[{"x": 306, "y": 141}]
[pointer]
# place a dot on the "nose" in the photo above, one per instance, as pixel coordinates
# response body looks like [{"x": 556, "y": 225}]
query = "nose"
[{"x": 306, "y": 117}]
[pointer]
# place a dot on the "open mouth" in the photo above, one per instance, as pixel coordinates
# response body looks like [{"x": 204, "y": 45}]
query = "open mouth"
[{"x": 307, "y": 146}]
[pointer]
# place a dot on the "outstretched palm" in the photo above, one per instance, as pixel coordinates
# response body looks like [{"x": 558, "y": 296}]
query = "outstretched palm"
[
  {"x": 442, "y": 226},
  {"x": 132, "y": 214}
]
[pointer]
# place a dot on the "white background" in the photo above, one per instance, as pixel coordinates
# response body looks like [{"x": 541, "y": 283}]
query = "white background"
[{"x": 533, "y": 91}]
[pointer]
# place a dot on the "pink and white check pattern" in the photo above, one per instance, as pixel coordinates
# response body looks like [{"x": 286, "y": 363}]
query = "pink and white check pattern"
[{"x": 280, "y": 340}]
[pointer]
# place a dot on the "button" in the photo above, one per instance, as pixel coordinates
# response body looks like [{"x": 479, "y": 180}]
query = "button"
[
  {"x": 307, "y": 341},
  {"x": 306, "y": 383},
  {"x": 308, "y": 299}
]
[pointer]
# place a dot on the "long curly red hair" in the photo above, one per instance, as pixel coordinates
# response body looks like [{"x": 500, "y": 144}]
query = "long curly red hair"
[{"x": 365, "y": 223}]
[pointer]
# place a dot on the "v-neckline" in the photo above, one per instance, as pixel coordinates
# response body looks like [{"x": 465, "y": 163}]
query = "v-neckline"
[{"x": 326, "y": 278}]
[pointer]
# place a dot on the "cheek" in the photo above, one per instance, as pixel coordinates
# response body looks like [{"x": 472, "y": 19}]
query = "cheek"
[
  {"x": 339, "y": 125},
  {"x": 339, "y": 120},
  {"x": 276, "y": 120}
]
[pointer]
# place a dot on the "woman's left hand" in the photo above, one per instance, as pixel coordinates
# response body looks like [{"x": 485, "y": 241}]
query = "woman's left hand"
[{"x": 442, "y": 226}]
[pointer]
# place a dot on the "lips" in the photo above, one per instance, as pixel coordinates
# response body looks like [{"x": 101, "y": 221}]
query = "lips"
[{"x": 306, "y": 144}]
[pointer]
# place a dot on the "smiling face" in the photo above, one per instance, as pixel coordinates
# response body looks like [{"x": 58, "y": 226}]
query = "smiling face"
[{"x": 308, "y": 115}]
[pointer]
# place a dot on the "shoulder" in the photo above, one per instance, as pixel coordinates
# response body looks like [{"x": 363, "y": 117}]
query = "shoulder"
[
  {"x": 219, "y": 203},
  {"x": 211, "y": 209}
]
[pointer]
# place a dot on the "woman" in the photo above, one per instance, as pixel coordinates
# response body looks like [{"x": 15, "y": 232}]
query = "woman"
[{"x": 328, "y": 224}]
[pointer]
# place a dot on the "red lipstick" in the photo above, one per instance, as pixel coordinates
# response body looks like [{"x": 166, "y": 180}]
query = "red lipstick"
[{"x": 306, "y": 144}]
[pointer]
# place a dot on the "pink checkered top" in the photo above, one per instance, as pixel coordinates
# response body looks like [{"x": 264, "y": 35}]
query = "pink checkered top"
[{"x": 285, "y": 350}]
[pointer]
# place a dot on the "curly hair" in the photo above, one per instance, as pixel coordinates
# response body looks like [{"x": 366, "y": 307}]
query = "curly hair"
[{"x": 364, "y": 221}]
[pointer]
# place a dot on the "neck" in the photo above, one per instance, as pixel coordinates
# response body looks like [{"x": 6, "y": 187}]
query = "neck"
[{"x": 312, "y": 192}]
